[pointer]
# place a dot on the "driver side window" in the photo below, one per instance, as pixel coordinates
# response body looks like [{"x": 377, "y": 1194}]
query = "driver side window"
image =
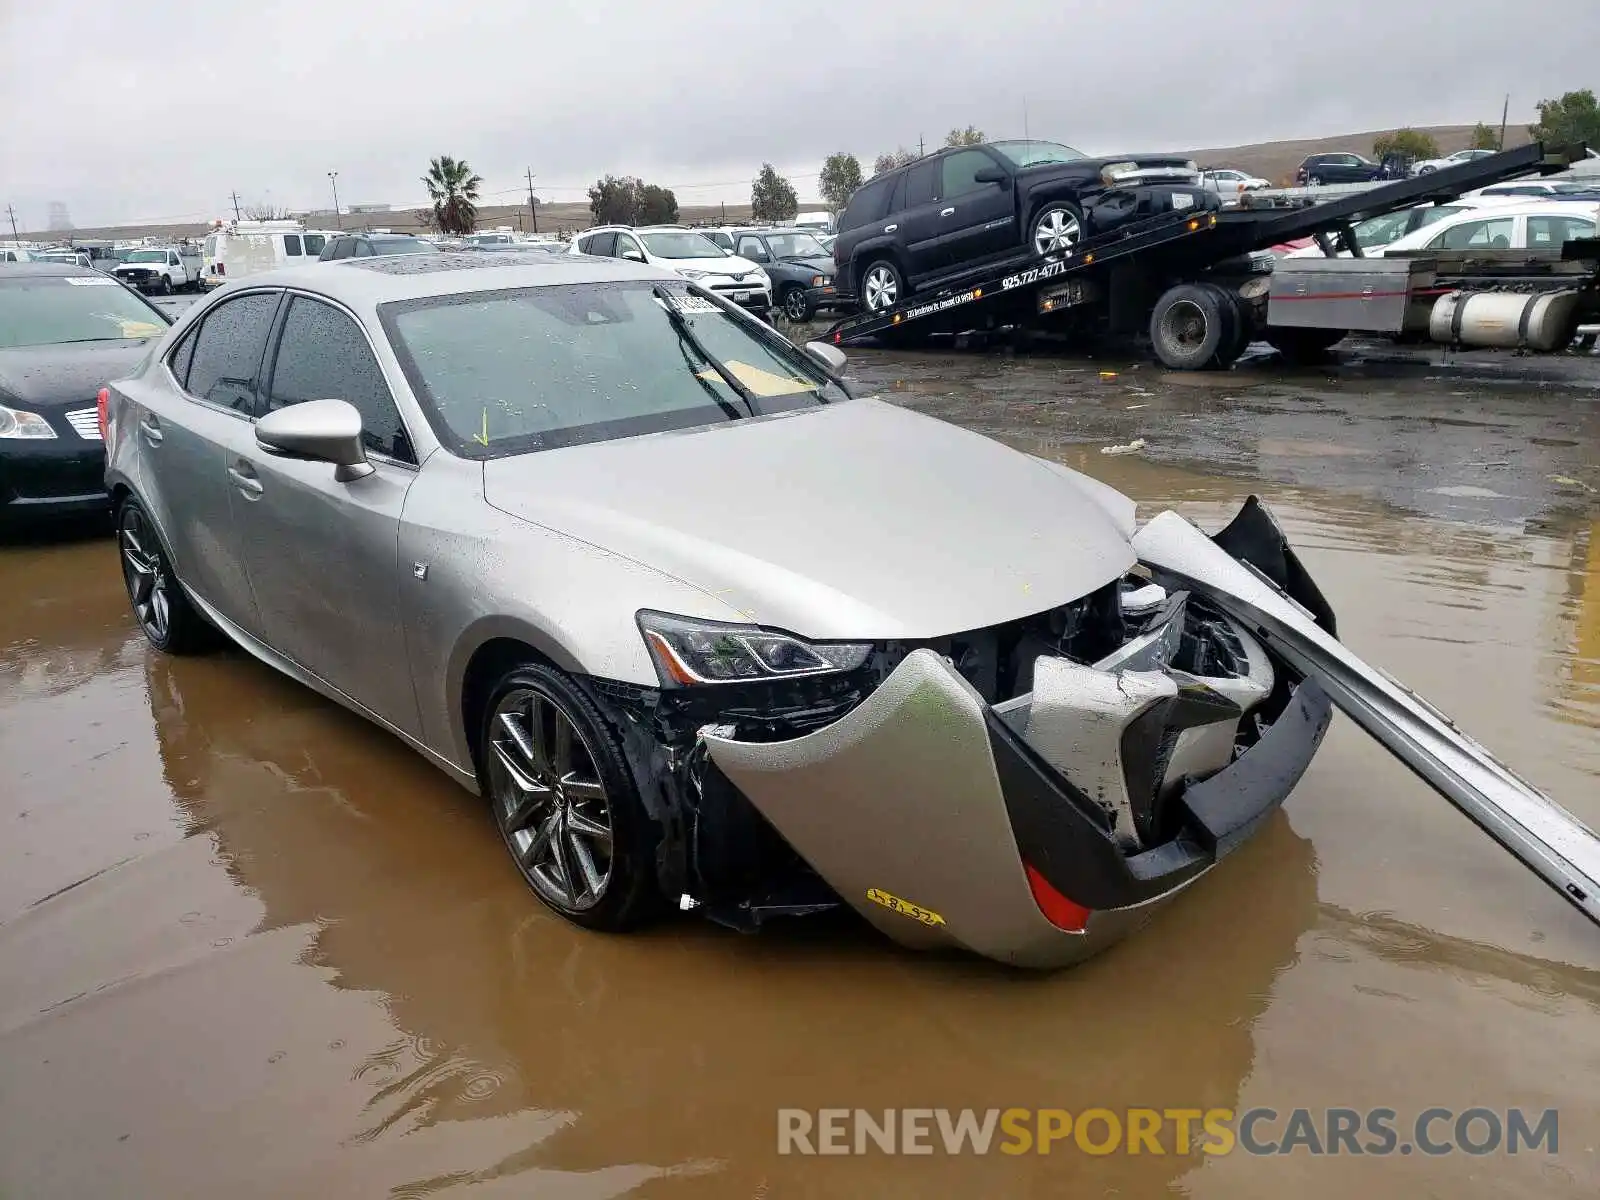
[
  {"x": 626, "y": 243},
  {"x": 958, "y": 171},
  {"x": 322, "y": 354},
  {"x": 751, "y": 248}
]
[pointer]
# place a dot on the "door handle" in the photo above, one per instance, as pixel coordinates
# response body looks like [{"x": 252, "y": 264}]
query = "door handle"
[
  {"x": 947, "y": 212},
  {"x": 151, "y": 428},
  {"x": 245, "y": 479},
  {"x": 890, "y": 228}
]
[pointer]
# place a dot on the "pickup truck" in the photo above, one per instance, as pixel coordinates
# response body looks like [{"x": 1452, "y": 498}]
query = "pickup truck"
[{"x": 163, "y": 269}]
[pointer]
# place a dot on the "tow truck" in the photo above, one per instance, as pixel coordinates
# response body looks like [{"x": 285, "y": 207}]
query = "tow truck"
[{"x": 1203, "y": 286}]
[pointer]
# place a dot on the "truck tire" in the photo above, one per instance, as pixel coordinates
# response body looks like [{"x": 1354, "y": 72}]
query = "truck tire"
[
  {"x": 1055, "y": 228},
  {"x": 1245, "y": 326},
  {"x": 1188, "y": 325},
  {"x": 1302, "y": 345},
  {"x": 882, "y": 286},
  {"x": 165, "y": 286}
]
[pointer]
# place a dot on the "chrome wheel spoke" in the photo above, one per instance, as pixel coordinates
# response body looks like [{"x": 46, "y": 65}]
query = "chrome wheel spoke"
[
  {"x": 159, "y": 609},
  {"x": 579, "y": 854},
  {"x": 537, "y": 847},
  {"x": 528, "y": 762},
  {"x": 580, "y": 790},
  {"x": 560, "y": 865}
]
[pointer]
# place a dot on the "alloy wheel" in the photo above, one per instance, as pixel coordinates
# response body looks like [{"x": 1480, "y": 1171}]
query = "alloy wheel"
[
  {"x": 145, "y": 572},
  {"x": 882, "y": 288},
  {"x": 549, "y": 801},
  {"x": 794, "y": 305},
  {"x": 1055, "y": 231}
]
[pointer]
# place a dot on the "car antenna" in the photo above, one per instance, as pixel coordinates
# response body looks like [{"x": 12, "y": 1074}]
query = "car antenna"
[{"x": 669, "y": 301}]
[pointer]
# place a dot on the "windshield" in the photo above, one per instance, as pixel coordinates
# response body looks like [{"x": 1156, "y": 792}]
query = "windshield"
[
  {"x": 511, "y": 372},
  {"x": 795, "y": 245},
  {"x": 146, "y": 256},
  {"x": 1380, "y": 231},
  {"x": 46, "y": 310},
  {"x": 1029, "y": 154},
  {"x": 682, "y": 245},
  {"x": 1574, "y": 189}
]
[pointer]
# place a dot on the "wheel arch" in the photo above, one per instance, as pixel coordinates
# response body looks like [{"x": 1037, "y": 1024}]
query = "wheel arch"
[
  {"x": 870, "y": 252},
  {"x": 484, "y": 654}
]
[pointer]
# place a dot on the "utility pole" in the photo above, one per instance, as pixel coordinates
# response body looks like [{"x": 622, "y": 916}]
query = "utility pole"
[
  {"x": 921, "y": 150},
  {"x": 338, "y": 217},
  {"x": 533, "y": 201},
  {"x": 236, "y": 204},
  {"x": 12, "y": 213},
  {"x": 1504, "y": 112}
]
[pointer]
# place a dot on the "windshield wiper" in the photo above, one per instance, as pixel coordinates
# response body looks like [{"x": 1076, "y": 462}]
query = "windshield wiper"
[{"x": 687, "y": 336}]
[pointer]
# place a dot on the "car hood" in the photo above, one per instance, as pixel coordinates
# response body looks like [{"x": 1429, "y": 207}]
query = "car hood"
[
  {"x": 857, "y": 520},
  {"x": 712, "y": 266},
  {"x": 822, "y": 266},
  {"x": 42, "y": 377},
  {"x": 1173, "y": 166}
]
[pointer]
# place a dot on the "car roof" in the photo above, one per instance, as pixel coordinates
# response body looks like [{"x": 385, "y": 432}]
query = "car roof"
[
  {"x": 367, "y": 282},
  {"x": 1495, "y": 212},
  {"x": 38, "y": 268}
]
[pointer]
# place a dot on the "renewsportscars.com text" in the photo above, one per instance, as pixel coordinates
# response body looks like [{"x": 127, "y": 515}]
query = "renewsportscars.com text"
[{"x": 1159, "y": 1131}]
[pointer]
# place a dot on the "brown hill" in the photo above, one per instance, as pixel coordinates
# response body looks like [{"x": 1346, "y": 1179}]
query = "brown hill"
[{"x": 1277, "y": 160}]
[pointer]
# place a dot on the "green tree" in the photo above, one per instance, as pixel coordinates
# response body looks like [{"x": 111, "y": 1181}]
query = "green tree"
[
  {"x": 891, "y": 160},
  {"x": 1485, "y": 138},
  {"x": 772, "y": 197},
  {"x": 1565, "y": 122},
  {"x": 655, "y": 206},
  {"x": 1405, "y": 141},
  {"x": 841, "y": 176},
  {"x": 970, "y": 136},
  {"x": 453, "y": 188}
]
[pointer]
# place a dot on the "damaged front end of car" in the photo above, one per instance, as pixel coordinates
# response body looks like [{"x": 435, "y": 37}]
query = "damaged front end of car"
[{"x": 1030, "y": 792}]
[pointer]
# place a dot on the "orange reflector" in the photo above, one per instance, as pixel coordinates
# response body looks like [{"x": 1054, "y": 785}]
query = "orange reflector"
[
  {"x": 1193, "y": 225},
  {"x": 1088, "y": 258},
  {"x": 896, "y": 320},
  {"x": 102, "y": 408},
  {"x": 1057, "y": 909},
  {"x": 1213, "y": 218},
  {"x": 669, "y": 660},
  {"x": 977, "y": 293}
]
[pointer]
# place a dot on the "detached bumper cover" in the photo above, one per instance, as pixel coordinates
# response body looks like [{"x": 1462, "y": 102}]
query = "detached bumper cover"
[{"x": 924, "y": 809}]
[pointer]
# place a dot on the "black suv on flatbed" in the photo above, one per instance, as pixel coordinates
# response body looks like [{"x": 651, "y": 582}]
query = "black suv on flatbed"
[{"x": 967, "y": 206}]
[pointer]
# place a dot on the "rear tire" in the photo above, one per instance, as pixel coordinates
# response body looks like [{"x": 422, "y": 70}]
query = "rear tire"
[
  {"x": 565, "y": 801},
  {"x": 1303, "y": 345},
  {"x": 1188, "y": 325},
  {"x": 882, "y": 286},
  {"x": 169, "y": 621}
]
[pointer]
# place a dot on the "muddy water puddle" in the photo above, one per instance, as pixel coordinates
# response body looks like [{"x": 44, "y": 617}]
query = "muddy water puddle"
[{"x": 251, "y": 946}]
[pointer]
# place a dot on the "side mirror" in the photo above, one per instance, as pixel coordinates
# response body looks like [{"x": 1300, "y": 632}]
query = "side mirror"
[
  {"x": 829, "y": 356},
  {"x": 320, "y": 430},
  {"x": 633, "y": 255},
  {"x": 991, "y": 175}
]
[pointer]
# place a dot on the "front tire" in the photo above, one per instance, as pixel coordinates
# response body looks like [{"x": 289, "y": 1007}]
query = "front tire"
[
  {"x": 1056, "y": 228},
  {"x": 795, "y": 305},
  {"x": 565, "y": 801},
  {"x": 165, "y": 286},
  {"x": 882, "y": 286},
  {"x": 170, "y": 623}
]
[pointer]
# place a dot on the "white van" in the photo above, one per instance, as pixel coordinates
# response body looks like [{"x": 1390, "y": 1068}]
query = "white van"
[
  {"x": 243, "y": 248},
  {"x": 816, "y": 221}
]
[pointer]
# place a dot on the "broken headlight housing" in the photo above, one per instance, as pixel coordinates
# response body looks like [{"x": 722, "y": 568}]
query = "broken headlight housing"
[{"x": 689, "y": 652}]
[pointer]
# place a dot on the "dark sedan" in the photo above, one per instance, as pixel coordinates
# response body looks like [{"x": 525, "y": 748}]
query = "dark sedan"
[
  {"x": 65, "y": 332},
  {"x": 1319, "y": 169},
  {"x": 800, "y": 267}
]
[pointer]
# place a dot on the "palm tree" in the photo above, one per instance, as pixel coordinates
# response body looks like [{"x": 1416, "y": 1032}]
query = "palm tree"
[{"x": 452, "y": 187}]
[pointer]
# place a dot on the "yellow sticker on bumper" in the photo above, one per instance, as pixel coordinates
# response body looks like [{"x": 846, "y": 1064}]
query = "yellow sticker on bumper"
[{"x": 904, "y": 907}]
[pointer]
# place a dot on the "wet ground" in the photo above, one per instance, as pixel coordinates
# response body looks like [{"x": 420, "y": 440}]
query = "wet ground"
[{"x": 250, "y": 946}]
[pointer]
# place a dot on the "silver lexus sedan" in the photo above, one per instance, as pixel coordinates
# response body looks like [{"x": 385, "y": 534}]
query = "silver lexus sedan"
[{"x": 705, "y": 629}]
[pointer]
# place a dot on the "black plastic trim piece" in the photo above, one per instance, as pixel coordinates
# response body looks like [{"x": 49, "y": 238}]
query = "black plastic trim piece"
[{"x": 1253, "y": 537}]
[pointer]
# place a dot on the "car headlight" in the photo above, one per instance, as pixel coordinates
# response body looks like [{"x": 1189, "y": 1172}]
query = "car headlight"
[
  {"x": 821, "y": 280},
  {"x": 688, "y": 273},
  {"x": 689, "y": 652},
  {"x": 15, "y": 423}
]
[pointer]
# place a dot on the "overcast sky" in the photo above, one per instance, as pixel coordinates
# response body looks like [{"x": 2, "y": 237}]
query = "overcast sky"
[{"x": 158, "y": 109}]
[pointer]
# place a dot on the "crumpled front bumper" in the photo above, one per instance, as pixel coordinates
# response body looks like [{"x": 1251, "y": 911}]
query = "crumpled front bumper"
[{"x": 948, "y": 822}]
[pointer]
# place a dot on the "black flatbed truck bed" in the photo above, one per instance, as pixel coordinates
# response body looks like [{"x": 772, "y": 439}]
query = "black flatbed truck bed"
[{"x": 1123, "y": 277}]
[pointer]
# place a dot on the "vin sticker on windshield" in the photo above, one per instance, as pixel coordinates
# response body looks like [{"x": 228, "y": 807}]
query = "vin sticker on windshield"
[
  {"x": 90, "y": 281},
  {"x": 688, "y": 302}
]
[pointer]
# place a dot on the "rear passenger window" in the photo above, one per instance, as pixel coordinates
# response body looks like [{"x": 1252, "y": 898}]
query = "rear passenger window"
[
  {"x": 322, "y": 354},
  {"x": 1482, "y": 235},
  {"x": 1548, "y": 232},
  {"x": 291, "y": 245},
  {"x": 226, "y": 364},
  {"x": 603, "y": 244},
  {"x": 870, "y": 203},
  {"x": 314, "y": 243},
  {"x": 343, "y": 247},
  {"x": 920, "y": 184}
]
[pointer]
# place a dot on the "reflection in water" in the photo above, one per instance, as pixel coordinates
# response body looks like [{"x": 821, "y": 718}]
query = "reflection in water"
[{"x": 676, "y": 1048}]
